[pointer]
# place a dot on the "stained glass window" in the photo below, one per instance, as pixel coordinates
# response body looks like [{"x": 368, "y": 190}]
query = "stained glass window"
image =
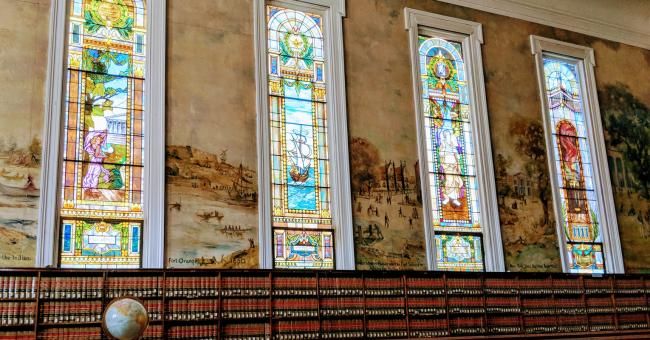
[
  {"x": 450, "y": 155},
  {"x": 573, "y": 166},
  {"x": 102, "y": 165},
  {"x": 303, "y": 233}
]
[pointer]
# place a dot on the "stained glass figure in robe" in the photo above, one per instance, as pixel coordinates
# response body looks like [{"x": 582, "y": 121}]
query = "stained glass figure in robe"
[
  {"x": 573, "y": 166},
  {"x": 300, "y": 192},
  {"x": 103, "y": 152},
  {"x": 450, "y": 154}
]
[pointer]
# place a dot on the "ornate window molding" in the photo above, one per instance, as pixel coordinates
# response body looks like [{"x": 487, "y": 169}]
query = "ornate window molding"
[
  {"x": 468, "y": 37},
  {"x": 572, "y": 107},
  {"x": 331, "y": 12},
  {"x": 47, "y": 247}
]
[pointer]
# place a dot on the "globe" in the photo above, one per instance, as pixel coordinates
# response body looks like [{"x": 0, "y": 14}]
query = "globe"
[{"x": 125, "y": 319}]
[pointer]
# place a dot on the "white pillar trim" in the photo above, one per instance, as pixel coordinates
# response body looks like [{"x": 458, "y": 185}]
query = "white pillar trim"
[{"x": 341, "y": 205}]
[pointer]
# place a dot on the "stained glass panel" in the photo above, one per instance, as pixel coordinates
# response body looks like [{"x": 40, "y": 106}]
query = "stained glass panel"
[
  {"x": 459, "y": 252},
  {"x": 299, "y": 153},
  {"x": 303, "y": 248},
  {"x": 103, "y": 151},
  {"x": 101, "y": 244},
  {"x": 573, "y": 167},
  {"x": 451, "y": 161}
]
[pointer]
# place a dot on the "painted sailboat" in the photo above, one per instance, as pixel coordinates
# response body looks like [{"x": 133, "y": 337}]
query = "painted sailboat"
[
  {"x": 29, "y": 189},
  {"x": 300, "y": 154},
  {"x": 241, "y": 186}
]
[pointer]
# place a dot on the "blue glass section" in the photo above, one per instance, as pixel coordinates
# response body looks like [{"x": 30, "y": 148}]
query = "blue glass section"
[
  {"x": 301, "y": 184},
  {"x": 135, "y": 239},
  {"x": 75, "y": 34},
  {"x": 274, "y": 65},
  {"x": 139, "y": 43},
  {"x": 67, "y": 237},
  {"x": 319, "y": 73},
  {"x": 302, "y": 196},
  {"x": 111, "y": 63}
]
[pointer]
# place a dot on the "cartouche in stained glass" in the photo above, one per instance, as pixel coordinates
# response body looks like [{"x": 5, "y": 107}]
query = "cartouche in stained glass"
[
  {"x": 580, "y": 219},
  {"x": 101, "y": 193},
  {"x": 450, "y": 155},
  {"x": 300, "y": 190}
]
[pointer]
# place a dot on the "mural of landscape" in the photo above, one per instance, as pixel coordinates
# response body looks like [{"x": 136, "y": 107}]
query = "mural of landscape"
[
  {"x": 211, "y": 215},
  {"x": 24, "y": 27},
  {"x": 212, "y": 205},
  {"x": 524, "y": 199},
  {"x": 387, "y": 210},
  {"x": 627, "y": 122}
]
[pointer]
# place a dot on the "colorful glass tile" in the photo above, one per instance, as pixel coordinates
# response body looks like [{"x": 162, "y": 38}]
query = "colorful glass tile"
[
  {"x": 101, "y": 245},
  {"x": 303, "y": 249},
  {"x": 459, "y": 252},
  {"x": 585, "y": 258},
  {"x": 103, "y": 151},
  {"x": 300, "y": 190},
  {"x": 579, "y": 205},
  {"x": 451, "y": 161}
]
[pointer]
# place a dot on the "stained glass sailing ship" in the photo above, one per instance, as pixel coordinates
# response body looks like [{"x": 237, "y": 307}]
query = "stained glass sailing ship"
[{"x": 300, "y": 192}]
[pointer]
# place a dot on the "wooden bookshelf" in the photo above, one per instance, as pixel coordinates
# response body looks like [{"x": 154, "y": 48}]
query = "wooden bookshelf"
[{"x": 280, "y": 304}]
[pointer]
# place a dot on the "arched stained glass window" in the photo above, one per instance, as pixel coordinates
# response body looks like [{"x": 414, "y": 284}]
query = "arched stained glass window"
[
  {"x": 303, "y": 234},
  {"x": 573, "y": 167},
  {"x": 103, "y": 151},
  {"x": 450, "y": 154}
]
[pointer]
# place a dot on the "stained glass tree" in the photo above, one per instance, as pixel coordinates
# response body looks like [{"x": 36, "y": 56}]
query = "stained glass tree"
[{"x": 102, "y": 166}]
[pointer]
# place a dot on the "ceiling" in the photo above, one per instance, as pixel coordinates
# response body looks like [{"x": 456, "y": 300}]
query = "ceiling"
[{"x": 626, "y": 21}]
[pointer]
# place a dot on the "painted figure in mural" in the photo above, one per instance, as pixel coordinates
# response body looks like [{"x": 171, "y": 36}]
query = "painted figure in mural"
[
  {"x": 452, "y": 191},
  {"x": 95, "y": 146},
  {"x": 571, "y": 168}
]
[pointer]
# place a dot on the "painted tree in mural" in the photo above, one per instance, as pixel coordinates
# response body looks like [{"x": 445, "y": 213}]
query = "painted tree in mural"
[
  {"x": 364, "y": 158},
  {"x": 627, "y": 122},
  {"x": 501, "y": 165},
  {"x": 530, "y": 142}
]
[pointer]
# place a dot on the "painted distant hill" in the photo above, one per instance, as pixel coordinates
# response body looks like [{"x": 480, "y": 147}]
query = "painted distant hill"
[{"x": 213, "y": 175}]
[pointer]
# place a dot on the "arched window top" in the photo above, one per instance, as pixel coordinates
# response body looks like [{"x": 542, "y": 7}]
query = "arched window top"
[
  {"x": 561, "y": 76},
  {"x": 441, "y": 48},
  {"x": 295, "y": 33}
]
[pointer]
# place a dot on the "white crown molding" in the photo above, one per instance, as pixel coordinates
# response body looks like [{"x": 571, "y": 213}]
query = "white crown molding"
[{"x": 568, "y": 21}]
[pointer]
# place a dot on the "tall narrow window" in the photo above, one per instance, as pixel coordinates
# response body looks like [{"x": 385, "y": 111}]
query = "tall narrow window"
[
  {"x": 103, "y": 151},
  {"x": 298, "y": 82},
  {"x": 448, "y": 109},
  {"x": 576, "y": 169}
]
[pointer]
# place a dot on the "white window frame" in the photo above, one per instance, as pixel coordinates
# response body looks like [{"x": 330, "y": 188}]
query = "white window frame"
[
  {"x": 584, "y": 56},
  {"x": 333, "y": 12},
  {"x": 153, "y": 233},
  {"x": 470, "y": 35}
]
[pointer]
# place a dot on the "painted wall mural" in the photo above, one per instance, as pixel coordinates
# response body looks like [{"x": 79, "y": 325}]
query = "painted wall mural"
[
  {"x": 211, "y": 119},
  {"x": 627, "y": 122},
  {"x": 24, "y": 27},
  {"x": 211, "y": 164}
]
